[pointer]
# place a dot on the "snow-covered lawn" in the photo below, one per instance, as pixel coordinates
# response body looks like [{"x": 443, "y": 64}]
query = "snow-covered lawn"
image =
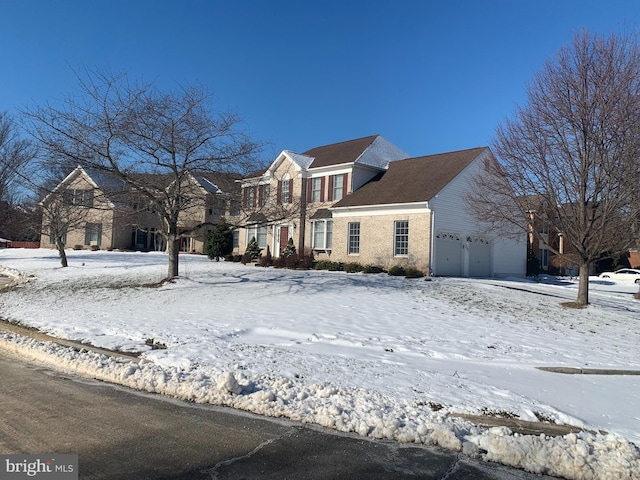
[{"x": 377, "y": 355}]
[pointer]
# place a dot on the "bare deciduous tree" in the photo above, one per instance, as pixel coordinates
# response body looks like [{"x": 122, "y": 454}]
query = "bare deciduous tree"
[
  {"x": 127, "y": 129},
  {"x": 570, "y": 156},
  {"x": 15, "y": 155}
]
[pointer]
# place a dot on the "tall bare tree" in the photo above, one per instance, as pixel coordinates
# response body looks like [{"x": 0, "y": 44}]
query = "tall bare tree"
[
  {"x": 15, "y": 155},
  {"x": 570, "y": 155},
  {"x": 129, "y": 128}
]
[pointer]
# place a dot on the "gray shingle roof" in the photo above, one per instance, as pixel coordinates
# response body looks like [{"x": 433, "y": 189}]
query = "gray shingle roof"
[
  {"x": 412, "y": 180},
  {"x": 337, "y": 153}
]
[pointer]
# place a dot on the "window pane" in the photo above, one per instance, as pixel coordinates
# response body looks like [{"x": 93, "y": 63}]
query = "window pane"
[
  {"x": 354, "y": 237},
  {"x": 316, "y": 184},
  {"x": 329, "y": 239},
  {"x": 93, "y": 234},
  {"x": 338, "y": 181},
  {"x": 318, "y": 234},
  {"x": 262, "y": 236},
  {"x": 401, "y": 241},
  {"x": 284, "y": 196}
]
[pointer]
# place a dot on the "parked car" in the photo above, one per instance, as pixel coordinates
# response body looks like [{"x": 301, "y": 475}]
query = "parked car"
[{"x": 623, "y": 275}]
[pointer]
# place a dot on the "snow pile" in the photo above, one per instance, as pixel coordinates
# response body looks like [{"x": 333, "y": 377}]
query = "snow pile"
[
  {"x": 380, "y": 356},
  {"x": 581, "y": 456}
]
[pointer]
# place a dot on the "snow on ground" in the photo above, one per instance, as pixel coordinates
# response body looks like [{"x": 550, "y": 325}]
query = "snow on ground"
[{"x": 381, "y": 356}]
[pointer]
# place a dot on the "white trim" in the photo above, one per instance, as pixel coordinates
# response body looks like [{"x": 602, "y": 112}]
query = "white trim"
[{"x": 377, "y": 210}]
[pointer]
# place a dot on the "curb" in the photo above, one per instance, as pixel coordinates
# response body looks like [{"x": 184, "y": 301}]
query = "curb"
[
  {"x": 588, "y": 371},
  {"x": 37, "y": 335},
  {"x": 524, "y": 427}
]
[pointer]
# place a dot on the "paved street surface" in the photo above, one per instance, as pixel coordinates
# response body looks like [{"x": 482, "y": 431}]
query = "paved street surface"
[{"x": 122, "y": 434}]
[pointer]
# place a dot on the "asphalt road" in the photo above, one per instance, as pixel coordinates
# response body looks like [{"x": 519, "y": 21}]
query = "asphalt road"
[{"x": 122, "y": 434}]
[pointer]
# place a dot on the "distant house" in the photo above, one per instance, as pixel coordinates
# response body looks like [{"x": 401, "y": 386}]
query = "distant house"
[
  {"x": 365, "y": 201},
  {"x": 99, "y": 211},
  {"x": 4, "y": 242}
]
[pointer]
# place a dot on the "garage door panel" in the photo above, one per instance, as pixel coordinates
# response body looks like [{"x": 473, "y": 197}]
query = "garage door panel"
[{"x": 448, "y": 255}]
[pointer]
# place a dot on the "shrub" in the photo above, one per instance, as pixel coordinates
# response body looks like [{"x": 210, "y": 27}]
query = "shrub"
[
  {"x": 306, "y": 261},
  {"x": 246, "y": 258},
  {"x": 78, "y": 247},
  {"x": 228, "y": 258},
  {"x": 219, "y": 242},
  {"x": 237, "y": 258},
  {"x": 290, "y": 249},
  {"x": 266, "y": 260},
  {"x": 322, "y": 265},
  {"x": 397, "y": 271},
  {"x": 94, "y": 248},
  {"x": 412, "y": 272},
  {"x": 353, "y": 267},
  {"x": 253, "y": 250},
  {"x": 373, "y": 269}
]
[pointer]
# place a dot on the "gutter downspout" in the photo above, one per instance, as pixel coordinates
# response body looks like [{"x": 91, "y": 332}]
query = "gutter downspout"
[{"x": 432, "y": 271}]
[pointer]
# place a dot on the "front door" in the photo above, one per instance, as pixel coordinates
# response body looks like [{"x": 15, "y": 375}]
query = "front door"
[{"x": 284, "y": 238}]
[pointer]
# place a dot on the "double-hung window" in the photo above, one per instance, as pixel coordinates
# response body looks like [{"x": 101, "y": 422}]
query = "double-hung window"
[
  {"x": 93, "y": 234},
  {"x": 316, "y": 188},
  {"x": 285, "y": 189},
  {"x": 401, "y": 238},
  {"x": 321, "y": 234},
  {"x": 81, "y": 198},
  {"x": 260, "y": 233},
  {"x": 265, "y": 191},
  {"x": 353, "y": 246},
  {"x": 338, "y": 187}
]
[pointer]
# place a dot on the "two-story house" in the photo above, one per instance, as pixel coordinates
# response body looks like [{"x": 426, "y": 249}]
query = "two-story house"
[
  {"x": 292, "y": 197},
  {"x": 365, "y": 201},
  {"x": 96, "y": 210}
]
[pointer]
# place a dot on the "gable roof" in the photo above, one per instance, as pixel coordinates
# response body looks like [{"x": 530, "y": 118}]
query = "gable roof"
[
  {"x": 342, "y": 152},
  {"x": 412, "y": 180},
  {"x": 218, "y": 182}
]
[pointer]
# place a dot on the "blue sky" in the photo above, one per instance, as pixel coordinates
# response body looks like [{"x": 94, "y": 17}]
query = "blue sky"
[{"x": 428, "y": 75}]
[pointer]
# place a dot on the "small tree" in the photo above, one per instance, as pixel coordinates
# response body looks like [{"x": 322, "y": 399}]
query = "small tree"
[
  {"x": 290, "y": 249},
  {"x": 253, "y": 250},
  {"x": 219, "y": 242}
]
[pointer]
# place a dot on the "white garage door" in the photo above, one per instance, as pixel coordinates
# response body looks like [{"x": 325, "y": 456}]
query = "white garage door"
[
  {"x": 448, "y": 255},
  {"x": 479, "y": 257}
]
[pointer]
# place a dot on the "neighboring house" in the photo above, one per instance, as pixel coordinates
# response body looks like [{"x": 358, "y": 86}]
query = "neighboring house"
[
  {"x": 544, "y": 239},
  {"x": 290, "y": 200},
  {"x": 414, "y": 214},
  {"x": 98, "y": 211}
]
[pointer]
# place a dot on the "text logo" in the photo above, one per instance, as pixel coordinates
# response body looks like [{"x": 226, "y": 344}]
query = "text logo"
[{"x": 49, "y": 467}]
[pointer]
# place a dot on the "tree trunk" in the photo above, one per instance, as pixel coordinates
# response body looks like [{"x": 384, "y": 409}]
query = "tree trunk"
[
  {"x": 62, "y": 253},
  {"x": 173, "y": 249},
  {"x": 583, "y": 284}
]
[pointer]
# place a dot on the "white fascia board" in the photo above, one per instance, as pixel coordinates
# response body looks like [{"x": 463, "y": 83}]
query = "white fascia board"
[
  {"x": 377, "y": 210},
  {"x": 300, "y": 163},
  {"x": 330, "y": 170}
]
